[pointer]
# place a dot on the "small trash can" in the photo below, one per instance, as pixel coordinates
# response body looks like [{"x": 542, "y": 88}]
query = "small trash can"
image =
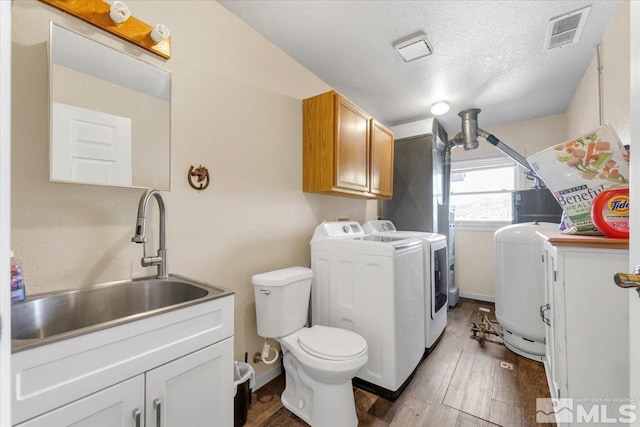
[{"x": 244, "y": 378}]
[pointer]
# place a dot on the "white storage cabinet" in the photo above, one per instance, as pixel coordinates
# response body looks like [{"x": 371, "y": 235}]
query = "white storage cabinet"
[{"x": 587, "y": 321}]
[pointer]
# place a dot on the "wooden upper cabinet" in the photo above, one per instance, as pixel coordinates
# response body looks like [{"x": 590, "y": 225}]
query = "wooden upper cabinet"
[
  {"x": 381, "y": 160},
  {"x": 352, "y": 147},
  {"x": 345, "y": 152}
]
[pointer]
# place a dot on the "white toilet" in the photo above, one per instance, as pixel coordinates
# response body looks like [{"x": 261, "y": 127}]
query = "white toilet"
[{"x": 319, "y": 361}]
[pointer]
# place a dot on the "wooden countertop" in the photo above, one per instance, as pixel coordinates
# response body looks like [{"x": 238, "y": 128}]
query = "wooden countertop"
[{"x": 556, "y": 238}]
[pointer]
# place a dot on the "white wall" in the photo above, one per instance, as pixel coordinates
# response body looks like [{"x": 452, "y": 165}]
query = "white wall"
[
  {"x": 582, "y": 114},
  {"x": 634, "y": 248},
  {"x": 236, "y": 109},
  {"x": 5, "y": 212}
]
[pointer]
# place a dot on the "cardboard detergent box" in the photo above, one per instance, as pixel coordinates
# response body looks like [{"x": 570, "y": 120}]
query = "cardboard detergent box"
[{"x": 577, "y": 170}]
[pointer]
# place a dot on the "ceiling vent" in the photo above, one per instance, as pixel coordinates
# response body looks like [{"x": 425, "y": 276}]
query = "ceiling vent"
[
  {"x": 413, "y": 47},
  {"x": 565, "y": 29}
]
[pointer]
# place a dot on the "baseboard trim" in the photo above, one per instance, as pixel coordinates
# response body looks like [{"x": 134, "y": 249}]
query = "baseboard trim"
[
  {"x": 267, "y": 376},
  {"x": 479, "y": 297}
]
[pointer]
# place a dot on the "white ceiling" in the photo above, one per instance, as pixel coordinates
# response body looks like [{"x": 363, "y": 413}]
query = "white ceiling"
[{"x": 487, "y": 54}]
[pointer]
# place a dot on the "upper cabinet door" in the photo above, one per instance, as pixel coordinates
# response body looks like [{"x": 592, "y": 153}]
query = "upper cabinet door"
[
  {"x": 381, "y": 160},
  {"x": 352, "y": 147}
]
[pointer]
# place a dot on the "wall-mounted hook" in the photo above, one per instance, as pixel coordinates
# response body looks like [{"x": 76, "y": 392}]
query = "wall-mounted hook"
[{"x": 202, "y": 174}]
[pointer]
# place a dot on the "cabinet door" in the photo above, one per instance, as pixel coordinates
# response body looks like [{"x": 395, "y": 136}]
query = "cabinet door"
[
  {"x": 550, "y": 347},
  {"x": 381, "y": 160},
  {"x": 115, "y": 406},
  {"x": 352, "y": 147},
  {"x": 596, "y": 325},
  {"x": 195, "y": 390},
  {"x": 559, "y": 332}
]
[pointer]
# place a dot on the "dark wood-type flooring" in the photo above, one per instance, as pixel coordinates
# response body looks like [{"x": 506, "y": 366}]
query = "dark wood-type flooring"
[{"x": 460, "y": 383}]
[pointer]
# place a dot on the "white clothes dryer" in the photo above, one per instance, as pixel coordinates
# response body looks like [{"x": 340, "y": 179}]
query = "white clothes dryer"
[
  {"x": 372, "y": 285},
  {"x": 435, "y": 274}
]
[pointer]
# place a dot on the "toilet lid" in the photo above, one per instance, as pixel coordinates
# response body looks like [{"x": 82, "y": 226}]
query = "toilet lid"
[{"x": 331, "y": 343}]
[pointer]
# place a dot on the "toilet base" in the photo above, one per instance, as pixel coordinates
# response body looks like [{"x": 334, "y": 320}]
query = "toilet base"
[{"x": 318, "y": 404}]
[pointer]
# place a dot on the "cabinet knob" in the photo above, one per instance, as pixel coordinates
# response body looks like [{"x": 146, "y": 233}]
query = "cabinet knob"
[{"x": 628, "y": 280}]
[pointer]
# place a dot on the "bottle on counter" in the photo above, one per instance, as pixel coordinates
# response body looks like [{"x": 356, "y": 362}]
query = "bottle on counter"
[{"x": 17, "y": 281}]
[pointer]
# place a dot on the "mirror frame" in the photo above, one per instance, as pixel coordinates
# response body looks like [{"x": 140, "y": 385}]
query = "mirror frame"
[{"x": 51, "y": 100}]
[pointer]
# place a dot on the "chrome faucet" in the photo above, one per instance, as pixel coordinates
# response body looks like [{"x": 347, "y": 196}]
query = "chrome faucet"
[{"x": 140, "y": 237}]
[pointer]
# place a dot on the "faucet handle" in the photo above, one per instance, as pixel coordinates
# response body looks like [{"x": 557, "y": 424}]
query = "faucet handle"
[{"x": 149, "y": 261}]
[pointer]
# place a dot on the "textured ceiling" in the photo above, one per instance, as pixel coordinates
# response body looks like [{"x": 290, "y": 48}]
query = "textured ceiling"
[{"x": 487, "y": 54}]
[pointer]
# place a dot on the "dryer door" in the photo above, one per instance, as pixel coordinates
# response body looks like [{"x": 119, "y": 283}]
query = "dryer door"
[{"x": 439, "y": 279}]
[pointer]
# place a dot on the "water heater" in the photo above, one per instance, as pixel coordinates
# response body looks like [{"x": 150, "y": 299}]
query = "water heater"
[{"x": 520, "y": 281}]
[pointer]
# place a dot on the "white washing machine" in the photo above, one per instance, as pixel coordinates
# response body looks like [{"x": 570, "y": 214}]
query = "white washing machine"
[
  {"x": 371, "y": 285},
  {"x": 435, "y": 274}
]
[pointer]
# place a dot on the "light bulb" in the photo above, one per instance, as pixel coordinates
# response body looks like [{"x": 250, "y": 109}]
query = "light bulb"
[{"x": 439, "y": 108}]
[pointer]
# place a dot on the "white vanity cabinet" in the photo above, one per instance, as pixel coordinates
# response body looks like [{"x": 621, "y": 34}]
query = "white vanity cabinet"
[
  {"x": 175, "y": 368},
  {"x": 190, "y": 391},
  {"x": 587, "y": 332}
]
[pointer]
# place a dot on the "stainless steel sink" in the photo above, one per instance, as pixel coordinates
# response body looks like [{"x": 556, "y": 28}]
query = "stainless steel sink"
[{"x": 47, "y": 318}]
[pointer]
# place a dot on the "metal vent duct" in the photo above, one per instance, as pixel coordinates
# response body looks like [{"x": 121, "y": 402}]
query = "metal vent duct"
[{"x": 565, "y": 30}]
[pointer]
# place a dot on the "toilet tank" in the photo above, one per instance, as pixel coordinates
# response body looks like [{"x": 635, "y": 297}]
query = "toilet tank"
[{"x": 282, "y": 300}]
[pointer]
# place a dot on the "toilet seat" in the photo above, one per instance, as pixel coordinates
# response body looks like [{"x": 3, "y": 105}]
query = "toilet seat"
[
  {"x": 331, "y": 343},
  {"x": 321, "y": 361}
]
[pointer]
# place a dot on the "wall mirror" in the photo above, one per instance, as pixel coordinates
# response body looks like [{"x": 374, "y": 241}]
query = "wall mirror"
[{"x": 110, "y": 115}]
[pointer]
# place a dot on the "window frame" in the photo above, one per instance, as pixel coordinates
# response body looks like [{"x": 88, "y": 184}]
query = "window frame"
[{"x": 480, "y": 162}]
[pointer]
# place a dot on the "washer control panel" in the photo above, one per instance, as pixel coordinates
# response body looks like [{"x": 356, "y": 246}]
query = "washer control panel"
[
  {"x": 379, "y": 226},
  {"x": 343, "y": 229}
]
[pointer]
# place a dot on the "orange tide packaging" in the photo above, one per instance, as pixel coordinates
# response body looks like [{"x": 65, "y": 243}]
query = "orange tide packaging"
[{"x": 610, "y": 212}]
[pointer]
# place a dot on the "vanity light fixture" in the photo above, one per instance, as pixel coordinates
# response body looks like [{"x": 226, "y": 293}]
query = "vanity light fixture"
[
  {"x": 414, "y": 46},
  {"x": 439, "y": 108},
  {"x": 115, "y": 18}
]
